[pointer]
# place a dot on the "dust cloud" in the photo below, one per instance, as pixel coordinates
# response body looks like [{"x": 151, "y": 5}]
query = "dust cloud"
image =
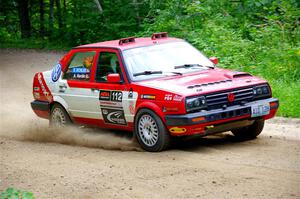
[
  {"x": 72, "y": 135},
  {"x": 17, "y": 120}
]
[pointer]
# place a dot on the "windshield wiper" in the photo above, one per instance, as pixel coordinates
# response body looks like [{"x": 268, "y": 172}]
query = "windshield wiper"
[
  {"x": 191, "y": 65},
  {"x": 176, "y": 73},
  {"x": 148, "y": 72}
]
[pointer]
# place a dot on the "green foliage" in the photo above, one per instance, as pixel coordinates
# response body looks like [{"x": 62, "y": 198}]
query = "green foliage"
[
  {"x": 261, "y": 37},
  {"x": 289, "y": 95},
  {"x": 12, "y": 193}
]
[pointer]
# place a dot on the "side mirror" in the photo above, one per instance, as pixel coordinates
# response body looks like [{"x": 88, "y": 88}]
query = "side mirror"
[
  {"x": 113, "y": 78},
  {"x": 214, "y": 60}
]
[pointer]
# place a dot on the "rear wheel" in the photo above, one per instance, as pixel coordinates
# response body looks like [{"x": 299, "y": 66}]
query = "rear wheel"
[
  {"x": 150, "y": 131},
  {"x": 249, "y": 132},
  {"x": 59, "y": 117}
]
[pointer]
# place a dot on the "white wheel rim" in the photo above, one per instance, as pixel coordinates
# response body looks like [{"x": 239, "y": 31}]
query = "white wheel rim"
[
  {"x": 148, "y": 130},
  {"x": 58, "y": 118}
]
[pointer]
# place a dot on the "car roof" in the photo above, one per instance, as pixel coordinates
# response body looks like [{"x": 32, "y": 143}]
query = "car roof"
[{"x": 139, "y": 42}]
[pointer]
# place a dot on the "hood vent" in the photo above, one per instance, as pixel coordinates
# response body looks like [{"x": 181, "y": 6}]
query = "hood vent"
[
  {"x": 242, "y": 75},
  {"x": 209, "y": 84}
]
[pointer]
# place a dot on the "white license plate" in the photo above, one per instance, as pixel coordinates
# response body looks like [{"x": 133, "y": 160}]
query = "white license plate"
[{"x": 260, "y": 109}]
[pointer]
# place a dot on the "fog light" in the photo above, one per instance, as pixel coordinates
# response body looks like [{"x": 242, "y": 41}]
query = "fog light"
[
  {"x": 198, "y": 119},
  {"x": 177, "y": 130},
  {"x": 210, "y": 127}
]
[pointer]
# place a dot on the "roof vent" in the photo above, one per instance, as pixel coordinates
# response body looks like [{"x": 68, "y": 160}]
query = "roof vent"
[
  {"x": 126, "y": 40},
  {"x": 160, "y": 35}
]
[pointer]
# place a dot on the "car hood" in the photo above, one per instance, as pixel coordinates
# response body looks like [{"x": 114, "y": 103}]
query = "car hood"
[{"x": 207, "y": 81}]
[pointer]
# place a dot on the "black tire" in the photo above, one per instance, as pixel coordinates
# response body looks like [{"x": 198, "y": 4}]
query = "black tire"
[
  {"x": 150, "y": 131},
  {"x": 59, "y": 117},
  {"x": 249, "y": 132}
]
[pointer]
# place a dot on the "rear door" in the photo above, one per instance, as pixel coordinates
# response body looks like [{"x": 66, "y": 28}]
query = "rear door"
[
  {"x": 77, "y": 87},
  {"x": 91, "y": 99}
]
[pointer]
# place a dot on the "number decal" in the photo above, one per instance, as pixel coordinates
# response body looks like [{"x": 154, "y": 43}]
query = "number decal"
[
  {"x": 116, "y": 96},
  {"x": 111, "y": 107}
]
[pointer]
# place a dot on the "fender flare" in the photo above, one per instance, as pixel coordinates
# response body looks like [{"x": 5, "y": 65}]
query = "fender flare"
[
  {"x": 152, "y": 106},
  {"x": 63, "y": 103}
]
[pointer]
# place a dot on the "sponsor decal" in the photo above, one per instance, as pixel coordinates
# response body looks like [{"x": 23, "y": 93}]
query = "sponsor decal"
[
  {"x": 177, "y": 130},
  {"x": 36, "y": 89},
  {"x": 168, "y": 97},
  {"x": 80, "y": 73},
  {"x": 152, "y": 97},
  {"x": 44, "y": 90},
  {"x": 113, "y": 116},
  {"x": 115, "y": 96},
  {"x": 111, "y": 107},
  {"x": 131, "y": 107},
  {"x": 104, "y": 95},
  {"x": 177, "y": 98},
  {"x": 56, "y": 71},
  {"x": 80, "y": 70},
  {"x": 36, "y": 95},
  {"x": 81, "y": 76},
  {"x": 110, "y": 104}
]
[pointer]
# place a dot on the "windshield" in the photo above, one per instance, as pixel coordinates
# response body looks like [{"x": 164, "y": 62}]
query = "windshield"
[{"x": 166, "y": 59}]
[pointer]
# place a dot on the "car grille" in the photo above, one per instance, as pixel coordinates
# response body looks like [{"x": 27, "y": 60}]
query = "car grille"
[{"x": 220, "y": 100}]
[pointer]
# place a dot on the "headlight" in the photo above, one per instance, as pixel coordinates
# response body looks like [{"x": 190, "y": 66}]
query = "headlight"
[
  {"x": 195, "y": 103},
  {"x": 261, "y": 91}
]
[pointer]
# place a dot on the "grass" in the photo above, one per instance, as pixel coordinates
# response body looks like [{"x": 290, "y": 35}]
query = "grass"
[
  {"x": 13, "y": 193},
  {"x": 288, "y": 94}
]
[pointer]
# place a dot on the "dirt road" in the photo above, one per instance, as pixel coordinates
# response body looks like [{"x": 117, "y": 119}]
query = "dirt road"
[{"x": 84, "y": 163}]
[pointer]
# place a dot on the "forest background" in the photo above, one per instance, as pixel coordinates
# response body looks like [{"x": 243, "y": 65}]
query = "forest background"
[{"x": 261, "y": 37}]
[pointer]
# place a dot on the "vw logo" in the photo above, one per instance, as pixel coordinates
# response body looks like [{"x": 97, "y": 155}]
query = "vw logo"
[
  {"x": 56, "y": 72},
  {"x": 230, "y": 97}
]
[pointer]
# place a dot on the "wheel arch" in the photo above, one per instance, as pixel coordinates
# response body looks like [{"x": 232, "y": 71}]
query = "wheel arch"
[
  {"x": 61, "y": 102},
  {"x": 153, "y": 107}
]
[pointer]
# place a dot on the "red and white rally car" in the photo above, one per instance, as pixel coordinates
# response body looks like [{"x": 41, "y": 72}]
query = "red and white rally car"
[{"x": 157, "y": 87}]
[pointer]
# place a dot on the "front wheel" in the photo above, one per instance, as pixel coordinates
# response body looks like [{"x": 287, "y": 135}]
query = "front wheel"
[
  {"x": 249, "y": 132},
  {"x": 59, "y": 117},
  {"x": 150, "y": 131}
]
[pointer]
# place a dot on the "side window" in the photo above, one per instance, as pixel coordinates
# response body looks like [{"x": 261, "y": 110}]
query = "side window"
[
  {"x": 107, "y": 63},
  {"x": 80, "y": 66}
]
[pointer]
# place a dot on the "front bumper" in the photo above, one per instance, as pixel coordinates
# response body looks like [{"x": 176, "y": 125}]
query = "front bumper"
[{"x": 204, "y": 121}]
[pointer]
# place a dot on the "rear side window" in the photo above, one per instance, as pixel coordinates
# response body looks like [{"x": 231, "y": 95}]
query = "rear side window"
[
  {"x": 108, "y": 63},
  {"x": 80, "y": 66}
]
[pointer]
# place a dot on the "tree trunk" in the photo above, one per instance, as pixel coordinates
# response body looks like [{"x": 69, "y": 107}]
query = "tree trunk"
[
  {"x": 137, "y": 14},
  {"x": 24, "y": 18},
  {"x": 51, "y": 17},
  {"x": 64, "y": 12},
  {"x": 98, "y": 6},
  {"x": 60, "y": 23},
  {"x": 42, "y": 19}
]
